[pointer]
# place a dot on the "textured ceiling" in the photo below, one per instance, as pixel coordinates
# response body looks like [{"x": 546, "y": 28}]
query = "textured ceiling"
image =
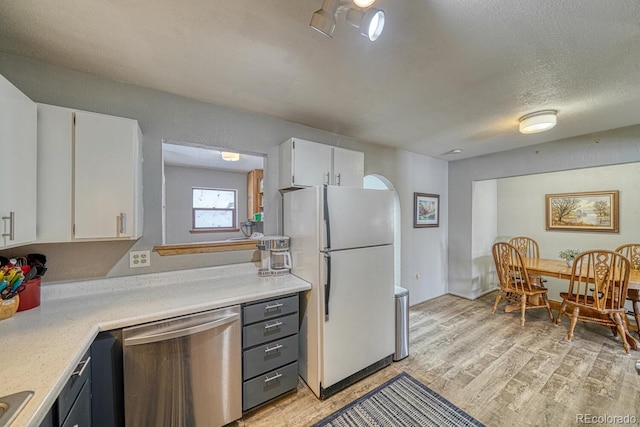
[{"x": 444, "y": 74}]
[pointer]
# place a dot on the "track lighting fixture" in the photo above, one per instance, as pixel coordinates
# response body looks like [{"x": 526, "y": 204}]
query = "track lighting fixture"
[{"x": 358, "y": 13}]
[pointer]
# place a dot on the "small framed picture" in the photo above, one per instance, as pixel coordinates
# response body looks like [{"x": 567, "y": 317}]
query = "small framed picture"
[{"x": 426, "y": 210}]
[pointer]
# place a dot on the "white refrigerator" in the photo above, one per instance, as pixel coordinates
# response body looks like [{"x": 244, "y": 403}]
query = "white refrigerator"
[{"x": 342, "y": 243}]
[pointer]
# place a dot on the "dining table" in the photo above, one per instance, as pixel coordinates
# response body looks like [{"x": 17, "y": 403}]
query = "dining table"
[{"x": 559, "y": 269}]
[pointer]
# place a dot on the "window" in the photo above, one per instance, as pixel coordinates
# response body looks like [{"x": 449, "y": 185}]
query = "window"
[{"x": 214, "y": 209}]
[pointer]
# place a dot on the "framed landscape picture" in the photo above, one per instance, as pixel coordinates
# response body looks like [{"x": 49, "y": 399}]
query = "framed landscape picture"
[
  {"x": 589, "y": 211},
  {"x": 426, "y": 210}
]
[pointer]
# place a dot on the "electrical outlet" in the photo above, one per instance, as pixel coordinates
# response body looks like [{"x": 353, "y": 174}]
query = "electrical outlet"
[{"x": 139, "y": 259}]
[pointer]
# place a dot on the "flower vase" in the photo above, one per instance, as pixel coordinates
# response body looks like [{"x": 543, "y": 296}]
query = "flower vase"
[{"x": 569, "y": 263}]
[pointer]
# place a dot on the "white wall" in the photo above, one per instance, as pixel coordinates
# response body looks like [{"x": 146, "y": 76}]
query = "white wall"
[
  {"x": 522, "y": 210},
  {"x": 484, "y": 231},
  {"x": 179, "y": 182},
  {"x": 617, "y": 146},
  {"x": 424, "y": 250}
]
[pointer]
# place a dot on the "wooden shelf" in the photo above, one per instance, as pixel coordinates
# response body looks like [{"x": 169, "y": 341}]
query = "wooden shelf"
[
  {"x": 254, "y": 195},
  {"x": 202, "y": 248}
]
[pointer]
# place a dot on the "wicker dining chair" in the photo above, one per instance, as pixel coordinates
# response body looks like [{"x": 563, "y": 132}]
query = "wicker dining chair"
[
  {"x": 529, "y": 248},
  {"x": 597, "y": 292},
  {"x": 515, "y": 282},
  {"x": 632, "y": 252}
]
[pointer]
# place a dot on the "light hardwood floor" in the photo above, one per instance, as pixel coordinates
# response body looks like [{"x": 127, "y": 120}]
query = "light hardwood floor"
[{"x": 494, "y": 369}]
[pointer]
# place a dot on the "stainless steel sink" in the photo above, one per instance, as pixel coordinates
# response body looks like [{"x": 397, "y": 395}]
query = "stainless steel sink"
[{"x": 11, "y": 405}]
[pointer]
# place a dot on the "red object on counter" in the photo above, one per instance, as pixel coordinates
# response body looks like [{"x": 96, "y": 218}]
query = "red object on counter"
[{"x": 30, "y": 297}]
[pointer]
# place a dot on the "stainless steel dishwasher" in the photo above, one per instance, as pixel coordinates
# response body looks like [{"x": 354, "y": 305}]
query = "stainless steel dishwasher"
[{"x": 184, "y": 371}]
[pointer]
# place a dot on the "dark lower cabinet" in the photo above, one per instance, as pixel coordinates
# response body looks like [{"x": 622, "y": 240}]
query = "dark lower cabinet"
[
  {"x": 80, "y": 412},
  {"x": 107, "y": 383},
  {"x": 73, "y": 406},
  {"x": 269, "y": 350},
  {"x": 94, "y": 395},
  {"x": 48, "y": 419}
]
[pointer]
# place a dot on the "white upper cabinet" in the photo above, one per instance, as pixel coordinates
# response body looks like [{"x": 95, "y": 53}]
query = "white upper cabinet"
[
  {"x": 18, "y": 170},
  {"x": 306, "y": 164},
  {"x": 90, "y": 176},
  {"x": 348, "y": 167}
]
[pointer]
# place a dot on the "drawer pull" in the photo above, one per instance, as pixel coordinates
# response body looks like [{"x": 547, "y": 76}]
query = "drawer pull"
[
  {"x": 273, "y": 306},
  {"x": 273, "y": 325},
  {"x": 84, "y": 364},
  {"x": 275, "y": 377},
  {"x": 274, "y": 348}
]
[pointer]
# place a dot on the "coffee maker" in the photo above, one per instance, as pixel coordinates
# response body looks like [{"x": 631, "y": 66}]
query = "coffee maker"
[{"x": 275, "y": 259}]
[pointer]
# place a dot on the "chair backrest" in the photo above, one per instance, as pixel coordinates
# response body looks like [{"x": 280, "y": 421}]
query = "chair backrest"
[
  {"x": 599, "y": 279},
  {"x": 631, "y": 251},
  {"x": 526, "y": 246},
  {"x": 511, "y": 271}
]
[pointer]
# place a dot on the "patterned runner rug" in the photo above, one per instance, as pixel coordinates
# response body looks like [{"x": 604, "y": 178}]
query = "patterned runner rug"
[{"x": 401, "y": 401}]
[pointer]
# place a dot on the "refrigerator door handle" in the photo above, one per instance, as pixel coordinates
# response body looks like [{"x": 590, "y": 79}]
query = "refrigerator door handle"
[
  {"x": 327, "y": 287},
  {"x": 327, "y": 223}
]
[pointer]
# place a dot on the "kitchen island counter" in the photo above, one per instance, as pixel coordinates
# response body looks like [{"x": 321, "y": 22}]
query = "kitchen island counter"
[{"x": 41, "y": 347}]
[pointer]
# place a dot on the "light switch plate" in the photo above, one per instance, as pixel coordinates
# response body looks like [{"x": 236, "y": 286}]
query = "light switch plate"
[{"x": 139, "y": 259}]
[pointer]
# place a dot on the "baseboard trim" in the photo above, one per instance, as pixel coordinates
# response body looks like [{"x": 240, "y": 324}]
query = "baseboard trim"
[
  {"x": 555, "y": 305},
  {"x": 340, "y": 385},
  {"x": 475, "y": 296}
]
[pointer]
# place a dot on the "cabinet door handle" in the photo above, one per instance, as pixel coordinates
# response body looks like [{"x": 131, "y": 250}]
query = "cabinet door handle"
[
  {"x": 273, "y": 306},
  {"x": 275, "y": 377},
  {"x": 338, "y": 179},
  {"x": 84, "y": 364},
  {"x": 274, "y": 348},
  {"x": 12, "y": 226},
  {"x": 273, "y": 325},
  {"x": 328, "y": 174},
  {"x": 123, "y": 222}
]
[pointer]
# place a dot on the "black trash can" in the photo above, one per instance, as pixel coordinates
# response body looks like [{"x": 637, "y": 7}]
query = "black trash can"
[{"x": 402, "y": 323}]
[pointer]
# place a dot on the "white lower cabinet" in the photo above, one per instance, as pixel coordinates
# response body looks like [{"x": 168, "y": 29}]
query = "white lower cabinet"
[
  {"x": 18, "y": 170},
  {"x": 89, "y": 176}
]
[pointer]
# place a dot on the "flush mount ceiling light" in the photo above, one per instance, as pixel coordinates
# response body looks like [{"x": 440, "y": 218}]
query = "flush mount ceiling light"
[
  {"x": 369, "y": 20},
  {"x": 538, "y": 121},
  {"x": 229, "y": 156},
  {"x": 363, "y": 3}
]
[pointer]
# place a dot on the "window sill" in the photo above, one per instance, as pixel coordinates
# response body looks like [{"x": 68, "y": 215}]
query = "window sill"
[
  {"x": 203, "y": 248},
  {"x": 213, "y": 230}
]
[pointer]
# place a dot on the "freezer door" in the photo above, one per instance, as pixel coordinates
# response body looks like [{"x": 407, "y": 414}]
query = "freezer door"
[
  {"x": 358, "y": 217},
  {"x": 359, "y": 330}
]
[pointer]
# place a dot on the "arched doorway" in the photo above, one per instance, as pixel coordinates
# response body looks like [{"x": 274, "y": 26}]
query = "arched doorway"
[{"x": 381, "y": 183}]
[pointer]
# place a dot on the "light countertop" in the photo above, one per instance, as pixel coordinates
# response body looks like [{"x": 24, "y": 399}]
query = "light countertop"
[{"x": 39, "y": 348}]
